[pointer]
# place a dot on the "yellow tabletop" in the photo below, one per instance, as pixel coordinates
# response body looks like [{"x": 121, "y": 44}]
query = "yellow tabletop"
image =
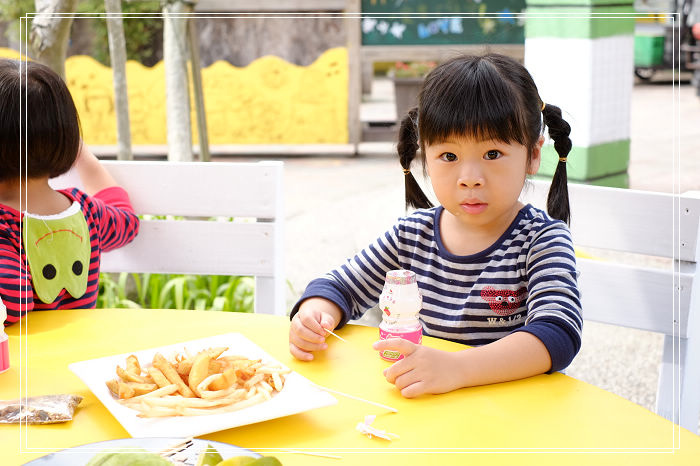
[{"x": 549, "y": 419}]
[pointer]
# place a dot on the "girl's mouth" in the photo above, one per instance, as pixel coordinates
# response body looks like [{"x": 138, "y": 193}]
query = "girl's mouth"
[{"x": 474, "y": 207}]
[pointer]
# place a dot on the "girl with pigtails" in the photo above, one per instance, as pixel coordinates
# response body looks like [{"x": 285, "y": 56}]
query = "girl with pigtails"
[{"x": 494, "y": 274}]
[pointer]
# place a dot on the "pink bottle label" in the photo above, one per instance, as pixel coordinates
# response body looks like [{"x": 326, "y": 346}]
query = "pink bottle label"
[
  {"x": 4, "y": 354},
  {"x": 415, "y": 336}
]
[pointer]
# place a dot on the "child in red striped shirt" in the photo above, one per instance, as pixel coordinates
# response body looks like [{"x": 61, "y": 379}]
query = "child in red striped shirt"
[{"x": 51, "y": 240}]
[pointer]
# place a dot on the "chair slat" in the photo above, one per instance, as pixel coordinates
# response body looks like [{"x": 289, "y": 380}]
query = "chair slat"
[
  {"x": 633, "y": 297},
  {"x": 627, "y": 220},
  {"x": 241, "y": 189},
  {"x": 196, "y": 247}
]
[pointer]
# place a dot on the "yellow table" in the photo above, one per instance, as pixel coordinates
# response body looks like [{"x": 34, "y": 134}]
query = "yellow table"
[{"x": 549, "y": 419}]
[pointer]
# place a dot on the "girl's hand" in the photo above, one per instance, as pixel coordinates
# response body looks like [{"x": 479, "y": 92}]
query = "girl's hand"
[
  {"x": 307, "y": 331},
  {"x": 422, "y": 370}
]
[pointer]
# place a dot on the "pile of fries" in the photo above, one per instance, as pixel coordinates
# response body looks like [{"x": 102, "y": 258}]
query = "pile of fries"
[{"x": 192, "y": 385}]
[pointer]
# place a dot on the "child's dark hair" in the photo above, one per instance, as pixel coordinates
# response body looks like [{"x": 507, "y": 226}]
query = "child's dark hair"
[
  {"x": 36, "y": 104},
  {"x": 483, "y": 97}
]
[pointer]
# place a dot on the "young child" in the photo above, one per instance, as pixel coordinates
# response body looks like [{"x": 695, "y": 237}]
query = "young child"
[
  {"x": 494, "y": 274},
  {"x": 50, "y": 244}
]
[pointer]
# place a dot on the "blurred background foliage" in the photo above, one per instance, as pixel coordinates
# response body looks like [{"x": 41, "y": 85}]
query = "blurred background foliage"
[{"x": 143, "y": 31}]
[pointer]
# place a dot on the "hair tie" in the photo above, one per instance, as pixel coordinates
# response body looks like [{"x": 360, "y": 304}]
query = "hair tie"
[
  {"x": 406, "y": 171},
  {"x": 562, "y": 159},
  {"x": 543, "y": 105}
]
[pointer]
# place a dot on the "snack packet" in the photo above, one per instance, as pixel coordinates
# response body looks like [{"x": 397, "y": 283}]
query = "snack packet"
[{"x": 47, "y": 409}]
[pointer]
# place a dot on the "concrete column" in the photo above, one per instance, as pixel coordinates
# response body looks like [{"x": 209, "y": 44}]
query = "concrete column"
[{"x": 581, "y": 55}]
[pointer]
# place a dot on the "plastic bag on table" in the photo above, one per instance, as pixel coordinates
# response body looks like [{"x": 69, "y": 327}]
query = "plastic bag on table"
[{"x": 47, "y": 409}]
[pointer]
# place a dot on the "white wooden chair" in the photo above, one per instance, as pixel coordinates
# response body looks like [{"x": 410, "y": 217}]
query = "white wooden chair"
[
  {"x": 251, "y": 192},
  {"x": 663, "y": 301}
]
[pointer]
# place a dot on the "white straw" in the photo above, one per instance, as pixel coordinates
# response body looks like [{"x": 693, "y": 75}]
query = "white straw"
[
  {"x": 389, "y": 408},
  {"x": 339, "y": 337}
]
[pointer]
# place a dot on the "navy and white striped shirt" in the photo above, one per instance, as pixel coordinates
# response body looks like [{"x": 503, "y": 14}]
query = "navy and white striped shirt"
[{"x": 525, "y": 281}]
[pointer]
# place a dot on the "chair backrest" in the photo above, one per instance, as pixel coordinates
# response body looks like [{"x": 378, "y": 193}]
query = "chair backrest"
[
  {"x": 251, "y": 245},
  {"x": 660, "y": 300}
]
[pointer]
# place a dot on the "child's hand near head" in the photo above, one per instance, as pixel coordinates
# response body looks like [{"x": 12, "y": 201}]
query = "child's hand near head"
[
  {"x": 307, "y": 330},
  {"x": 92, "y": 174}
]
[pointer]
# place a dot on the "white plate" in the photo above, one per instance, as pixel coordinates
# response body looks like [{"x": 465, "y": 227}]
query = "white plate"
[{"x": 298, "y": 394}]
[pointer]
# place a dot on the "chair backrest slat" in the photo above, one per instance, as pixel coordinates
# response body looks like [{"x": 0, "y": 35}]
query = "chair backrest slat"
[
  {"x": 627, "y": 220},
  {"x": 200, "y": 248}
]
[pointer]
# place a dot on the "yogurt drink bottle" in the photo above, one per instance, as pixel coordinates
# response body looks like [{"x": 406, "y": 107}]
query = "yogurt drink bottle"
[{"x": 400, "y": 303}]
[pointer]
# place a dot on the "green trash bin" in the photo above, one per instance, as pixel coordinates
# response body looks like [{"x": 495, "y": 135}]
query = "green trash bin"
[{"x": 648, "y": 51}]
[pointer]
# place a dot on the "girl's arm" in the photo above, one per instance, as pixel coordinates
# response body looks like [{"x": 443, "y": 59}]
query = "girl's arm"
[
  {"x": 93, "y": 175},
  {"x": 355, "y": 286}
]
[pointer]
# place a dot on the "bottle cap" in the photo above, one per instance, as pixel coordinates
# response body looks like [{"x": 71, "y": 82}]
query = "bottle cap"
[{"x": 400, "y": 277}]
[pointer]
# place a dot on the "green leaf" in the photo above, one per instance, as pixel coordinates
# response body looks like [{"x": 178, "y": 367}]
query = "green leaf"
[
  {"x": 218, "y": 304},
  {"x": 127, "y": 304},
  {"x": 121, "y": 285}
]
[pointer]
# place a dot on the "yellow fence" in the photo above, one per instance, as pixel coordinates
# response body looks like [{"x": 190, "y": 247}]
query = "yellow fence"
[{"x": 270, "y": 101}]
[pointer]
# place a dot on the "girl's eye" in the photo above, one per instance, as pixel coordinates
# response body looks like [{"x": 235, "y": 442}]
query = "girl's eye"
[
  {"x": 448, "y": 156},
  {"x": 492, "y": 155}
]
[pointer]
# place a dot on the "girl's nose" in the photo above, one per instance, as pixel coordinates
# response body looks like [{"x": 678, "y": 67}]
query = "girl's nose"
[{"x": 471, "y": 177}]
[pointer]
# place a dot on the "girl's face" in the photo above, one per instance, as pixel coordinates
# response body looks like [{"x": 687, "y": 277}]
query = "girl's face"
[{"x": 479, "y": 182}]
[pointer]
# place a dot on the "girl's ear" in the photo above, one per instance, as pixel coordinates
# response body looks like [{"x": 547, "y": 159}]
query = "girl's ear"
[{"x": 536, "y": 157}]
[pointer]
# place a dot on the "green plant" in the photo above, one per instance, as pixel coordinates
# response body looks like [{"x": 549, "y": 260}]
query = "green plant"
[
  {"x": 11, "y": 11},
  {"x": 165, "y": 291},
  {"x": 416, "y": 69},
  {"x": 143, "y": 32}
]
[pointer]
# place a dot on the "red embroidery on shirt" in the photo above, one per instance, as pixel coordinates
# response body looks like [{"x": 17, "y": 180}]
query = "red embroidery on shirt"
[
  {"x": 503, "y": 302},
  {"x": 58, "y": 231}
]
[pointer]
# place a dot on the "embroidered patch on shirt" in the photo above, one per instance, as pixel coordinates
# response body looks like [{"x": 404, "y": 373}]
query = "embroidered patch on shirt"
[
  {"x": 503, "y": 302},
  {"x": 58, "y": 251}
]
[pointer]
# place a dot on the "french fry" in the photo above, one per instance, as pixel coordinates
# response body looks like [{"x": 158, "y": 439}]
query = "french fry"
[
  {"x": 184, "y": 366},
  {"x": 253, "y": 380},
  {"x": 113, "y": 386},
  {"x": 159, "y": 362},
  {"x": 227, "y": 379},
  {"x": 124, "y": 390},
  {"x": 132, "y": 365},
  {"x": 276, "y": 381},
  {"x": 199, "y": 371},
  {"x": 158, "y": 377},
  {"x": 142, "y": 388},
  {"x": 216, "y": 366},
  {"x": 164, "y": 391},
  {"x": 127, "y": 376}
]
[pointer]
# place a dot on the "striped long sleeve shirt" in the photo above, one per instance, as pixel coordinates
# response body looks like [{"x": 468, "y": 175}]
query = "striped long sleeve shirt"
[
  {"x": 111, "y": 222},
  {"x": 526, "y": 281}
]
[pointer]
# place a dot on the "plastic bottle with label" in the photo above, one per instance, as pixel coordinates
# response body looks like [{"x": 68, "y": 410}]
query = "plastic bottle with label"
[
  {"x": 400, "y": 303},
  {"x": 4, "y": 340}
]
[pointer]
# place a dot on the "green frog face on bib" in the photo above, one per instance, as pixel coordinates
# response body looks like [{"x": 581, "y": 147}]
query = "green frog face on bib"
[{"x": 58, "y": 251}]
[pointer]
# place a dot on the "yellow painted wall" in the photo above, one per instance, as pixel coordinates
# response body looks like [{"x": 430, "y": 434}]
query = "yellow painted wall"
[{"x": 270, "y": 101}]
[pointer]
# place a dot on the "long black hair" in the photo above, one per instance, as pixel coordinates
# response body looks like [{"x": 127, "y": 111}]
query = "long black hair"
[{"x": 483, "y": 97}]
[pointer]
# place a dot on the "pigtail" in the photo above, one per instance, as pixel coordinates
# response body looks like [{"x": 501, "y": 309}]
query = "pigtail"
[
  {"x": 407, "y": 148},
  {"x": 558, "y": 197}
]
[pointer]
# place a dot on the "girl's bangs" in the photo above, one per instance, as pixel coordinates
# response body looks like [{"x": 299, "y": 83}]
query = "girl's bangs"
[{"x": 477, "y": 104}]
